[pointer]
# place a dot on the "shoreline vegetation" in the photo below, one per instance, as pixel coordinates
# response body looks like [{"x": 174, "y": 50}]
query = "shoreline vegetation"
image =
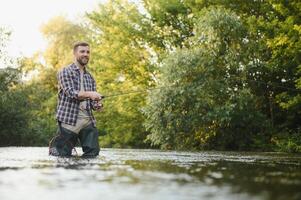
[{"x": 219, "y": 75}]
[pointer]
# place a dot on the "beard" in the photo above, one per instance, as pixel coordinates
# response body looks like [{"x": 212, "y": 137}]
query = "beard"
[{"x": 83, "y": 61}]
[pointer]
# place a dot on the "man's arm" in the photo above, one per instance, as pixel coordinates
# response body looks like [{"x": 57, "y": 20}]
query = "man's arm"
[
  {"x": 66, "y": 83},
  {"x": 95, "y": 96}
]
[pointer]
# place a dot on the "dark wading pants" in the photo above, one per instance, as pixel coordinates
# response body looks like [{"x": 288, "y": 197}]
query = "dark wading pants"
[{"x": 65, "y": 141}]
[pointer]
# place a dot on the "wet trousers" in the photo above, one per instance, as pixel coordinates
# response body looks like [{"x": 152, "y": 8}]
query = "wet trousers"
[{"x": 65, "y": 141}]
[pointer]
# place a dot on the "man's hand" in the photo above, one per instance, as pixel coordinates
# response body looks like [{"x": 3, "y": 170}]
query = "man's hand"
[
  {"x": 95, "y": 96},
  {"x": 97, "y": 105}
]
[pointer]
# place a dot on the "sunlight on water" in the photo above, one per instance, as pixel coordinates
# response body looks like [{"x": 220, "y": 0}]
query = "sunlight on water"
[{"x": 29, "y": 173}]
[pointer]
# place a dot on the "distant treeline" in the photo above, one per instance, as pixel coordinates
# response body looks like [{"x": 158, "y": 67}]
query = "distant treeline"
[{"x": 227, "y": 73}]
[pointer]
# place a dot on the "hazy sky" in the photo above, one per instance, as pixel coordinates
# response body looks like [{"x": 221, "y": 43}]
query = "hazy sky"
[{"x": 25, "y": 17}]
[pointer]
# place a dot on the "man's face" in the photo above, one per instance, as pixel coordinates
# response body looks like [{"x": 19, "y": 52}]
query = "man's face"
[{"x": 82, "y": 55}]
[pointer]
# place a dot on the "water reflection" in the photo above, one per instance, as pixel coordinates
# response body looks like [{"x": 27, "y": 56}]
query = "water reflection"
[
  {"x": 272, "y": 181},
  {"x": 29, "y": 173}
]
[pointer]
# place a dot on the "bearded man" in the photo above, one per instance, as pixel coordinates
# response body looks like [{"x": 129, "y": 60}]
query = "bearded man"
[{"x": 77, "y": 97}]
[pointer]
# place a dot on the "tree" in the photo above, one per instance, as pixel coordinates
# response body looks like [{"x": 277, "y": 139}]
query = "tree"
[
  {"x": 273, "y": 73},
  {"x": 13, "y": 100},
  {"x": 121, "y": 63},
  {"x": 204, "y": 101},
  {"x": 171, "y": 22}
]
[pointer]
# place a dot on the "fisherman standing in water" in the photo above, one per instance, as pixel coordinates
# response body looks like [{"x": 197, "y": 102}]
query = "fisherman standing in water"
[{"x": 77, "y": 98}]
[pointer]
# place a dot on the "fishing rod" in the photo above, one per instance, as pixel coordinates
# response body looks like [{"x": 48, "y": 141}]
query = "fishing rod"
[
  {"x": 133, "y": 92},
  {"x": 162, "y": 87}
]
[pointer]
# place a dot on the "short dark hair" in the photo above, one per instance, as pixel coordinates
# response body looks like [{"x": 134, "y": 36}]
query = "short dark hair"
[{"x": 77, "y": 44}]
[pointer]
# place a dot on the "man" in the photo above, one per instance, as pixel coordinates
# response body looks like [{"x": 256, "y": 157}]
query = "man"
[{"x": 77, "y": 98}]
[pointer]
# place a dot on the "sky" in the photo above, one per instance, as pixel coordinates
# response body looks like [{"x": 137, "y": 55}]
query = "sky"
[{"x": 24, "y": 19}]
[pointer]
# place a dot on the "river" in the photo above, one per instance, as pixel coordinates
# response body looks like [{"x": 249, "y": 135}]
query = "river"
[{"x": 28, "y": 173}]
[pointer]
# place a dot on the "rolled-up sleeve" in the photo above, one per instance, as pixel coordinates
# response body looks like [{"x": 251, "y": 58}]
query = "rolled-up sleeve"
[{"x": 66, "y": 83}]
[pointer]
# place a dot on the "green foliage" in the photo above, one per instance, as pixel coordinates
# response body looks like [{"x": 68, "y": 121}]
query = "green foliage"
[
  {"x": 203, "y": 102},
  {"x": 273, "y": 73},
  {"x": 42, "y": 124},
  {"x": 171, "y": 23},
  {"x": 121, "y": 63},
  {"x": 26, "y": 116},
  {"x": 287, "y": 141},
  {"x": 13, "y": 101},
  {"x": 13, "y": 105}
]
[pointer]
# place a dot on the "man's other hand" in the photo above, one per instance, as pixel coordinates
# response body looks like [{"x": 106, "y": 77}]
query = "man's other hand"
[{"x": 97, "y": 105}]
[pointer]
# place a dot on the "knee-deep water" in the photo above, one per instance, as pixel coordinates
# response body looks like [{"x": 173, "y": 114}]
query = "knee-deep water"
[{"x": 130, "y": 174}]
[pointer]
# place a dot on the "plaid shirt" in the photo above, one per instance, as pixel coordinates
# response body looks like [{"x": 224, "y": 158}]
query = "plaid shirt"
[{"x": 69, "y": 87}]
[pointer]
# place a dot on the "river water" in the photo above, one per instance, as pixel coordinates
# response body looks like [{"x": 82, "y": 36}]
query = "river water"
[{"x": 28, "y": 173}]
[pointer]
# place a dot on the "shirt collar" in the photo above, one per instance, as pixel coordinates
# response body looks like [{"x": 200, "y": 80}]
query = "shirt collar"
[{"x": 75, "y": 67}]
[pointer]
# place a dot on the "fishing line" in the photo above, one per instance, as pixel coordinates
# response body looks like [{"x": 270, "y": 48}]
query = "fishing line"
[{"x": 274, "y": 85}]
